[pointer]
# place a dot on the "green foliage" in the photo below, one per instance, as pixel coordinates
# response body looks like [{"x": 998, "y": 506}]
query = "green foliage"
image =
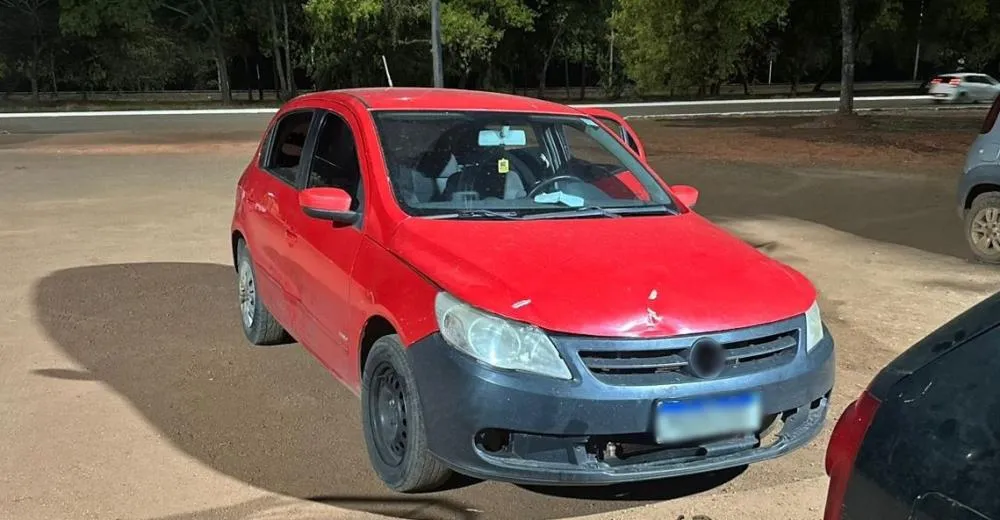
[
  {"x": 656, "y": 45},
  {"x": 963, "y": 33},
  {"x": 472, "y": 29},
  {"x": 689, "y": 43}
]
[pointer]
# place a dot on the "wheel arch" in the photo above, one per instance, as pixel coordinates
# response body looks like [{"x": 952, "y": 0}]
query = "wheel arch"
[
  {"x": 377, "y": 326},
  {"x": 236, "y": 237},
  {"x": 980, "y": 189}
]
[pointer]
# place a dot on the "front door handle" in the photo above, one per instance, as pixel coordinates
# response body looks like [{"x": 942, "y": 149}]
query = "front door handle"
[{"x": 290, "y": 236}]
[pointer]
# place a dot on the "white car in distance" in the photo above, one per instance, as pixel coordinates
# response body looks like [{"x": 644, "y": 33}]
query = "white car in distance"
[{"x": 964, "y": 87}]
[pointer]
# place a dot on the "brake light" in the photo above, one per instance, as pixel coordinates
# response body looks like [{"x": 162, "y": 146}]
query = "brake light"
[
  {"x": 991, "y": 117},
  {"x": 955, "y": 82},
  {"x": 935, "y": 81},
  {"x": 848, "y": 434}
]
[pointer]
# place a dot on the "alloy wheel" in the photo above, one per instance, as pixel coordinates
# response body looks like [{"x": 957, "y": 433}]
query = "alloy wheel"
[{"x": 985, "y": 232}]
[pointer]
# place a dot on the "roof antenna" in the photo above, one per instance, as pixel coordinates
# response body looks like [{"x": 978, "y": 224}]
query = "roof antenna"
[{"x": 386, "y": 66}]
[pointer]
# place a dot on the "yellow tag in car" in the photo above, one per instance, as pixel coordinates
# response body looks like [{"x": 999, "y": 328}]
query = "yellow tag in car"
[{"x": 503, "y": 166}]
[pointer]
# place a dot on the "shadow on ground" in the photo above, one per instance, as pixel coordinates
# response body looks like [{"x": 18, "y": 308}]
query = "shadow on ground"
[{"x": 166, "y": 337}]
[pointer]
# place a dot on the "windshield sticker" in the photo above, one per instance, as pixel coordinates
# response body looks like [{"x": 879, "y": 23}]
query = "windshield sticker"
[{"x": 503, "y": 166}]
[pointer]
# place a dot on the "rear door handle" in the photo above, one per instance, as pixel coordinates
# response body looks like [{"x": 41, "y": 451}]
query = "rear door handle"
[{"x": 290, "y": 236}]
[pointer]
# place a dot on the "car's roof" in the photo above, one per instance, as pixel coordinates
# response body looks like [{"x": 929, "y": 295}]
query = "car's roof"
[
  {"x": 413, "y": 98},
  {"x": 962, "y": 74}
]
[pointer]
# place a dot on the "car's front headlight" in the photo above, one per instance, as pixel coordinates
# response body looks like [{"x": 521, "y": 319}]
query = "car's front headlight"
[
  {"x": 814, "y": 327},
  {"x": 497, "y": 341}
]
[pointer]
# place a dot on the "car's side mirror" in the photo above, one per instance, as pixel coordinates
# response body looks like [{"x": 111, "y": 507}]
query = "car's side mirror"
[
  {"x": 333, "y": 204},
  {"x": 688, "y": 195}
]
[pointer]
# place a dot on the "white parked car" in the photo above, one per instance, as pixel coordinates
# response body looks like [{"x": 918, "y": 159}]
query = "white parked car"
[{"x": 964, "y": 87}]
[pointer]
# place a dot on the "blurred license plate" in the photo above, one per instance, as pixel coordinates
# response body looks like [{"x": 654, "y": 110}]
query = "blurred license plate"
[{"x": 695, "y": 419}]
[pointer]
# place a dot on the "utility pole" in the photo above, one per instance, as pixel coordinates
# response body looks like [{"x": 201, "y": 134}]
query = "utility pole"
[
  {"x": 436, "y": 43},
  {"x": 916, "y": 57}
]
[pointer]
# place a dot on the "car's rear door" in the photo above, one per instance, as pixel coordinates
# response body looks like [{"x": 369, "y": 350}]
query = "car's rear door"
[
  {"x": 619, "y": 126},
  {"x": 325, "y": 251},
  {"x": 272, "y": 194},
  {"x": 933, "y": 449}
]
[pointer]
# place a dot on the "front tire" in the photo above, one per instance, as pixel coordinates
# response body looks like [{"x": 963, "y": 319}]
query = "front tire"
[
  {"x": 982, "y": 227},
  {"x": 393, "y": 422},
  {"x": 259, "y": 326}
]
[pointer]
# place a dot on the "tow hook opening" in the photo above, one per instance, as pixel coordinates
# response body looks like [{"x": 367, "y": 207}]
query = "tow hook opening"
[{"x": 492, "y": 440}]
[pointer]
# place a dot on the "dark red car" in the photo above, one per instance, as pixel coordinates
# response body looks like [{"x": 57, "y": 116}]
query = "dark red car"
[{"x": 515, "y": 294}]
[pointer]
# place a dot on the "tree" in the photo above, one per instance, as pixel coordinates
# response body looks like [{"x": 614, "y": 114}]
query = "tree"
[
  {"x": 848, "y": 37},
  {"x": 804, "y": 44},
  {"x": 210, "y": 22},
  {"x": 688, "y": 43},
  {"x": 471, "y": 30},
  {"x": 28, "y": 27}
]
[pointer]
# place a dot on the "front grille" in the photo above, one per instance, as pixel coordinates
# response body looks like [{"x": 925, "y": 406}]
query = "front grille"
[{"x": 653, "y": 362}]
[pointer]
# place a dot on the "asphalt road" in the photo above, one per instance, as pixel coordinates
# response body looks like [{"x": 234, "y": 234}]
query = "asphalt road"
[{"x": 242, "y": 125}]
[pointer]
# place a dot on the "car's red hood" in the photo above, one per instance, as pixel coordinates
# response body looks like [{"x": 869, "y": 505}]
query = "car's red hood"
[{"x": 625, "y": 277}]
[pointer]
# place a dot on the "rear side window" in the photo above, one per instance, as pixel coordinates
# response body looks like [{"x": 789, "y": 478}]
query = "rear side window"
[
  {"x": 991, "y": 117},
  {"x": 289, "y": 138}
]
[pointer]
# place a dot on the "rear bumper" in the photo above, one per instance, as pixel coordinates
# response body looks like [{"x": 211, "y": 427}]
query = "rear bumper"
[{"x": 523, "y": 428}]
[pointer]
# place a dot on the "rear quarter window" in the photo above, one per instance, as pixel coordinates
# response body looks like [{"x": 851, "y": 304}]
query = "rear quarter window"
[{"x": 286, "y": 144}]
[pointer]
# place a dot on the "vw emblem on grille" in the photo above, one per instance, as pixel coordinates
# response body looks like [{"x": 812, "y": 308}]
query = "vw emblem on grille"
[{"x": 706, "y": 358}]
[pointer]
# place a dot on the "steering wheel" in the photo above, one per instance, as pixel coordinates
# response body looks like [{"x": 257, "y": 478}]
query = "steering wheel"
[{"x": 552, "y": 180}]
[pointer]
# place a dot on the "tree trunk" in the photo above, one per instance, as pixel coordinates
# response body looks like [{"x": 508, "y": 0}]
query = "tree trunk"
[
  {"x": 513, "y": 78},
  {"x": 36, "y": 54},
  {"x": 548, "y": 57},
  {"x": 52, "y": 71},
  {"x": 290, "y": 68},
  {"x": 260, "y": 84},
  {"x": 825, "y": 76},
  {"x": 222, "y": 68},
  {"x": 246, "y": 71},
  {"x": 847, "y": 64},
  {"x": 583, "y": 70},
  {"x": 566, "y": 74},
  {"x": 282, "y": 85}
]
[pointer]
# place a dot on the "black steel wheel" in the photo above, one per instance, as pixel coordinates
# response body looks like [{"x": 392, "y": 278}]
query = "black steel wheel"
[{"x": 393, "y": 422}]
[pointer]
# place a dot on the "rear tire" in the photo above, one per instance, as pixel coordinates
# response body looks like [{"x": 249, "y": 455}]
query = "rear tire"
[
  {"x": 259, "y": 326},
  {"x": 393, "y": 422},
  {"x": 982, "y": 227}
]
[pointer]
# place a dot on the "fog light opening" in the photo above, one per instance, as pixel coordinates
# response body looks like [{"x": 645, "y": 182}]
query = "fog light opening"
[{"x": 492, "y": 440}]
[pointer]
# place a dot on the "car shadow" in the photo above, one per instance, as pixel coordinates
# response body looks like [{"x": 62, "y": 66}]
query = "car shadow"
[{"x": 166, "y": 336}]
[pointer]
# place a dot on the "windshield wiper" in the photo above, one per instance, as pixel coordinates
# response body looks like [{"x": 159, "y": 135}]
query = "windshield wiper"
[
  {"x": 570, "y": 212},
  {"x": 597, "y": 211},
  {"x": 478, "y": 213}
]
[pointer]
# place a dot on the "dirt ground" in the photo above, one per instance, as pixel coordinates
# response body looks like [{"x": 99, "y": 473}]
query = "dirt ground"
[{"x": 127, "y": 390}]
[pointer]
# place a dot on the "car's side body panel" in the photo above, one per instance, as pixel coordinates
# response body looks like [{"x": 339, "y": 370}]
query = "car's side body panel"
[
  {"x": 936, "y": 432},
  {"x": 383, "y": 285}
]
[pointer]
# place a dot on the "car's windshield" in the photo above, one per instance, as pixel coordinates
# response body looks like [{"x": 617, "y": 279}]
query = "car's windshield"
[{"x": 498, "y": 165}]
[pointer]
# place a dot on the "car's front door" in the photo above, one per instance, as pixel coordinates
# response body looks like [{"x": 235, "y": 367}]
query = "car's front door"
[
  {"x": 325, "y": 251},
  {"x": 620, "y": 127},
  {"x": 272, "y": 197}
]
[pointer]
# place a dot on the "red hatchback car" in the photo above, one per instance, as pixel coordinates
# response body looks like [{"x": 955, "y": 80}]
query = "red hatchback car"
[{"x": 515, "y": 295}]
